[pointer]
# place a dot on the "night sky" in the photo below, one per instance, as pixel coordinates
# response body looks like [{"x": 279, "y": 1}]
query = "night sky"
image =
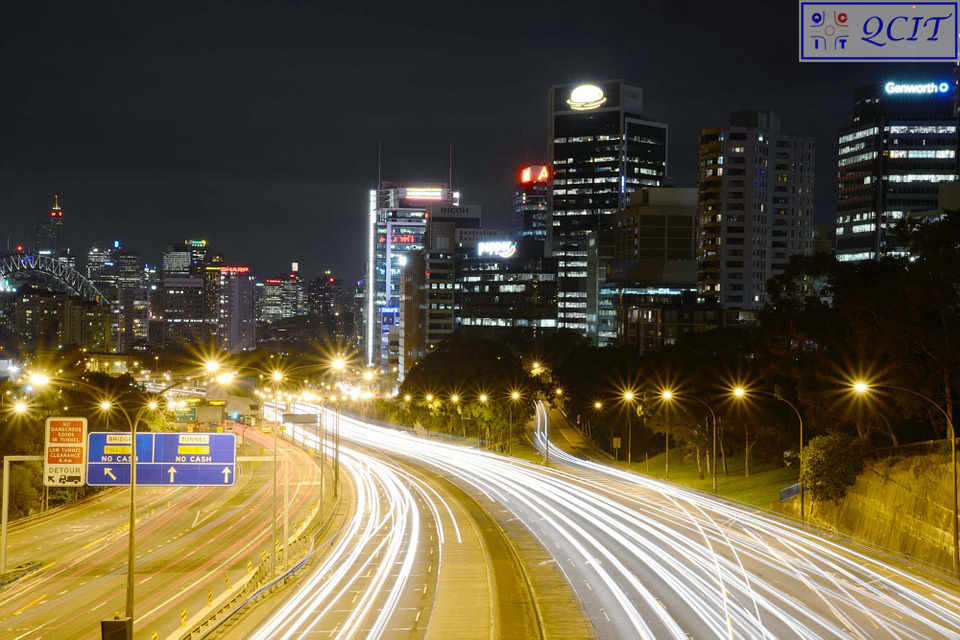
[{"x": 255, "y": 125}]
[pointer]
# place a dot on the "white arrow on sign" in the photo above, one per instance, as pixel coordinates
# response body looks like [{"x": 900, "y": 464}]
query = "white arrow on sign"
[
  {"x": 172, "y": 473},
  {"x": 107, "y": 472},
  {"x": 226, "y": 475}
]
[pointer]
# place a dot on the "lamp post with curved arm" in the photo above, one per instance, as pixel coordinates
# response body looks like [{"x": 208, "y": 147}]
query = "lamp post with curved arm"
[
  {"x": 670, "y": 396},
  {"x": 862, "y": 388},
  {"x": 40, "y": 380},
  {"x": 741, "y": 393}
]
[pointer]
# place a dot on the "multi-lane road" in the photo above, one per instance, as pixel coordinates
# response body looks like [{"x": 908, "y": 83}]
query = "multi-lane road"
[
  {"x": 649, "y": 559},
  {"x": 191, "y": 543},
  {"x": 417, "y": 558},
  {"x": 435, "y": 539}
]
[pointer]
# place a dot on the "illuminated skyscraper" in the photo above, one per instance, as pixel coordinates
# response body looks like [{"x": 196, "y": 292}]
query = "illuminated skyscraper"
[
  {"x": 530, "y": 201},
  {"x": 601, "y": 148},
  {"x": 48, "y": 234},
  {"x": 901, "y": 145},
  {"x": 397, "y": 225}
]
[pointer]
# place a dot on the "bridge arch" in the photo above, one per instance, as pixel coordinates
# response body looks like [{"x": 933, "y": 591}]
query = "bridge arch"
[{"x": 27, "y": 263}]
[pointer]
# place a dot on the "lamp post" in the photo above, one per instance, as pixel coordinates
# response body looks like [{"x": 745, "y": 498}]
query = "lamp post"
[
  {"x": 669, "y": 396},
  {"x": 862, "y": 388},
  {"x": 546, "y": 431},
  {"x": 40, "y": 380},
  {"x": 514, "y": 398},
  {"x": 628, "y": 397},
  {"x": 741, "y": 393}
]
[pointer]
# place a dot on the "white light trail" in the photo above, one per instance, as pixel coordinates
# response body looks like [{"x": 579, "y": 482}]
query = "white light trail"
[{"x": 663, "y": 561}]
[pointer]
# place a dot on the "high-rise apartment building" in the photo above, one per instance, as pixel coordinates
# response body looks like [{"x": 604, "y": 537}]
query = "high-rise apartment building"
[
  {"x": 601, "y": 148},
  {"x": 755, "y": 207},
  {"x": 901, "y": 145},
  {"x": 530, "y": 200},
  {"x": 236, "y": 309}
]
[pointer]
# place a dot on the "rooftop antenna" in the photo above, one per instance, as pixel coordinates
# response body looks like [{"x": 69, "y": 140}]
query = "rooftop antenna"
[
  {"x": 450, "y": 184},
  {"x": 379, "y": 145}
]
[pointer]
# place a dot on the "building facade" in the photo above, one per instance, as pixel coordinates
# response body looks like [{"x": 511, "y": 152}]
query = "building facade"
[
  {"x": 901, "y": 145},
  {"x": 530, "y": 203},
  {"x": 601, "y": 148},
  {"x": 507, "y": 289},
  {"x": 397, "y": 226},
  {"x": 755, "y": 207}
]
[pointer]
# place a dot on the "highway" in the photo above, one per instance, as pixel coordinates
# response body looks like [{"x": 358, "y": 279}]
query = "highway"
[
  {"x": 189, "y": 541},
  {"x": 405, "y": 563},
  {"x": 649, "y": 559}
]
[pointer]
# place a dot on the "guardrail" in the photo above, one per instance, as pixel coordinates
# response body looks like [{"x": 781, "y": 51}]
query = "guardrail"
[
  {"x": 257, "y": 583},
  {"x": 18, "y": 572}
]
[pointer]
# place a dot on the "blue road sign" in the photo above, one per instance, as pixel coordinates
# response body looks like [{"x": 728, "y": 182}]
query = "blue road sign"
[{"x": 163, "y": 459}]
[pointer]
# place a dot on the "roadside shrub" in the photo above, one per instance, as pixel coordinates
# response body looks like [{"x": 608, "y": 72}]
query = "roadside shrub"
[{"x": 831, "y": 464}]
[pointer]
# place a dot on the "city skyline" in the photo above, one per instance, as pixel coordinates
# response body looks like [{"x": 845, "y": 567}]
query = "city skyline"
[{"x": 274, "y": 144}]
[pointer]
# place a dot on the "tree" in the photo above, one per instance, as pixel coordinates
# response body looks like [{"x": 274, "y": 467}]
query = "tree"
[{"x": 831, "y": 463}]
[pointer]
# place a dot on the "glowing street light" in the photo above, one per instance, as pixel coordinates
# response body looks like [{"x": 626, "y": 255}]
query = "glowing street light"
[
  {"x": 628, "y": 397},
  {"x": 225, "y": 378},
  {"x": 39, "y": 379},
  {"x": 338, "y": 364},
  {"x": 20, "y": 407},
  {"x": 429, "y": 397},
  {"x": 670, "y": 396},
  {"x": 368, "y": 375},
  {"x": 740, "y": 393},
  {"x": 105, "y": 405},
  {"x": 454, "y": 398},
  {"x": 862, "y": 388},
  {"x": 211, "y": 366},
  {"x": 152, "y": 405},
  {"x": 407, "y": 398},
  {"x": 483, "y": 398}
]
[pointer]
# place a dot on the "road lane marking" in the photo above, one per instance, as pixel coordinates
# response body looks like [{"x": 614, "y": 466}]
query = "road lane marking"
[{"x": 27, "y": 606}]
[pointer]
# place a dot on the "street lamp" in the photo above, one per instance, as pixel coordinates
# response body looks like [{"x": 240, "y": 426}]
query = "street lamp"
[
  {"x": 670, "y": 396},
  {"x": 514, "y": 398},
  {"x": 20, "y": 407},
  {"x": 862, "y": 387},
  {"x": 628, "y": 397},
  {"x": 740, "y": 393}
]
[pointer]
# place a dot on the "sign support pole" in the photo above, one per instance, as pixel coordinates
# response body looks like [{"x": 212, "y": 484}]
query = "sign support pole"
[
  {"x": 286, "y": 514},
  {"x": 6, "y": 503}
]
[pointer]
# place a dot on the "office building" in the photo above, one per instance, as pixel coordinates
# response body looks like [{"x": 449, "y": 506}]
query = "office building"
[
  {"x": 530, "y": 199},
  {"x": 649, "y": 295},
  {"x": 901, "y": 145},
  {"x": 186, "y": 258},
  {"x": 184, "y": 311},
  {"x": 48, "y": 235},
  {"x": 601, "y": 148},
  {"x": 284, "y": 296},
  {"x": 133, "y": 302},
  {"x": 508, "y": 288},
  {"x": 397, "y": 226},
  {"x": 755, "y": 207},
  {"x": 325, "y": 295}
]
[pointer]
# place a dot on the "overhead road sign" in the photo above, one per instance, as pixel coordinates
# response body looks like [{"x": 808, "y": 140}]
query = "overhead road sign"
[
  {"x": 64, "y": 452},
  {"x": 300, "y": 418},
  {"x": 163, "y": 459}
]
